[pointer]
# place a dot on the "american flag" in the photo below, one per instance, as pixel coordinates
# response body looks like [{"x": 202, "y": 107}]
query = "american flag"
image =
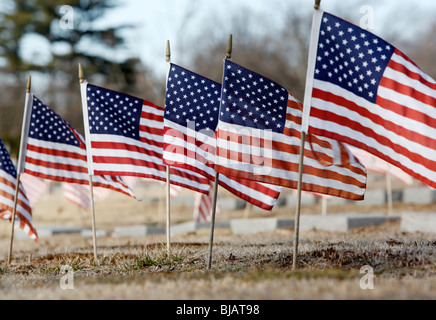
[
  {"x": 259, "y": 138},
  {"x": 8, "y": 182},
  {"x": 126, "y": 138},
  {"x": 54, "y": 150},
  {"x": 191, "y": 117},
  {"x": 369, "y": 94}
]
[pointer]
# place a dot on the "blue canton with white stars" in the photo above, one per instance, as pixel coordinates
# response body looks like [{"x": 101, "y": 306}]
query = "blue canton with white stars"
[
  {"x": 47, "y": 125},
  {"x": 6, "y": 162},
  {"x": 111, "y": 112},
  {"x": 351, "y": 57},
  {"x": 252, "y": 100},
  {"x": 192, "y": 98}
]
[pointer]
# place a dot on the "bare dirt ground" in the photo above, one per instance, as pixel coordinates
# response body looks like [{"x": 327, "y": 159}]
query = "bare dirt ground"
[{"x": 254, "y": 267}]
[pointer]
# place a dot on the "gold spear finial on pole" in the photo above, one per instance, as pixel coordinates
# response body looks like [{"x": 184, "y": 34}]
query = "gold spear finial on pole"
[
  {"x": 168, "y": 51},
  {"x": 317, "y": 3},
  {"x": 81, "y": 77},
  {"x": 28, "y": 85},
  {"x": 229, "y": 48}
]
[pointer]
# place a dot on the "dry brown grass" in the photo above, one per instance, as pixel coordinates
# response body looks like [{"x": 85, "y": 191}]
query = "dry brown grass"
[{"x": 244, "y": 267}]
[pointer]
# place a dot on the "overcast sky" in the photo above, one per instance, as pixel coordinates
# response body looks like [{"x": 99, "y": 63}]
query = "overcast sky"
[
  {"x": 179, "y": 21},
  {"x": 159, "y": 21}
]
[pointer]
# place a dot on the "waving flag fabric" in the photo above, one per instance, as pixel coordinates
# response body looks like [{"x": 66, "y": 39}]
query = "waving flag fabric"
[
  {"x": 35, "y": 187},
  {"x": 8, "y": 182},
  {"x": 54, "y": 150},
  {"x": 191, "y": 117},
  {"x": 125, "y": 137},
  {"x": 78, "y": 194},
  {"x": 259, "y": 135},
  {"x": 373, "y": 163},
  {"x": 174, "y": 190},
  {"x": 369, "y": 94}
]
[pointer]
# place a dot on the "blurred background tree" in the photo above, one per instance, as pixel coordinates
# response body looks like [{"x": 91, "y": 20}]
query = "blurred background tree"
[
  {"x": 47, "y": 39},
  {"x": 277, "y": 52}
]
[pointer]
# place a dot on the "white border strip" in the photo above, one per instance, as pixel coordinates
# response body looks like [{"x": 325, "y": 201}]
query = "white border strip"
[
  {"x": 313, "y": 48},
  {"x": 83, "y": 94}
]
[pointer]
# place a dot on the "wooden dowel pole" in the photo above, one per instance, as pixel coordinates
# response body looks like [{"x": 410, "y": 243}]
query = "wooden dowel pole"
[
  {"x": 168, "y": 223},
  {"x": 14, "y": 211},
  {"x": 389, "y": 192},
  {"x": 17, "y": 186},
  {"x": 91, "y": 188},
  {"x": 300, "y": 176},
  {"x": 168, "y": 185},
  {"x": 94, "y": 235},
  {"x": 298, "y": 209},
  {"x": 212, "y": 220},
  {"x": 324, "y": 206},
  {"x": 247, "y": 211},
  {"x": 216, "y": 185}
]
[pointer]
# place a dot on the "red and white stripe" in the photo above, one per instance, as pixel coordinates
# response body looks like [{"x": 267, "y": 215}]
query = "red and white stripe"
[
  {"x": 174, "y": 190},
  {"x": 35, "y": 187},
  {"x": 23, "y": 216},
  {"x": 195, "y": 151},
  {"x": 117, "y": 155},
  {"x": 378, "y": 165},
  {"x": 271, "y": 157},
  {"x": 80, "y": 194},
  {"x": 65, "y": 163}
]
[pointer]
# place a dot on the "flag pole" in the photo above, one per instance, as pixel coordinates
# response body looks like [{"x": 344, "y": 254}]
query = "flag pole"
[
  {"x": 19, "y": 168},
  {"x": 298, "y": 208},
  {"x": 168, "y": 225},
  {"x": 212, "y": 219},
  {"x": 248, "y": 208},
  {"x": 324, "y": 206},
  {"x": 304, "y": 126},
  {"x": 215, "y": 190},
  {"x": 91, "y": 189},
  {"x": 389, "y": 191},
  {"x": 168, "y": 186}
]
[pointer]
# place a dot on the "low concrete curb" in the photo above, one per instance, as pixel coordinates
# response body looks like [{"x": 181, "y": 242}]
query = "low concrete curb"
[
  {"x": 419, "y": 196},
  {"x": 48, "y": 231},
  {"x": 410, "y": 222},
  {"x": 87, "y": 233},
  {"x": 254, "y": 225},
  {"x": 418, "y": 222},
  {"x": 374, "y": 198},
  {"x": 342, "y": 222},
  {"x": 137, "y": 231},
  {"x": 192, "y": 226}
]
